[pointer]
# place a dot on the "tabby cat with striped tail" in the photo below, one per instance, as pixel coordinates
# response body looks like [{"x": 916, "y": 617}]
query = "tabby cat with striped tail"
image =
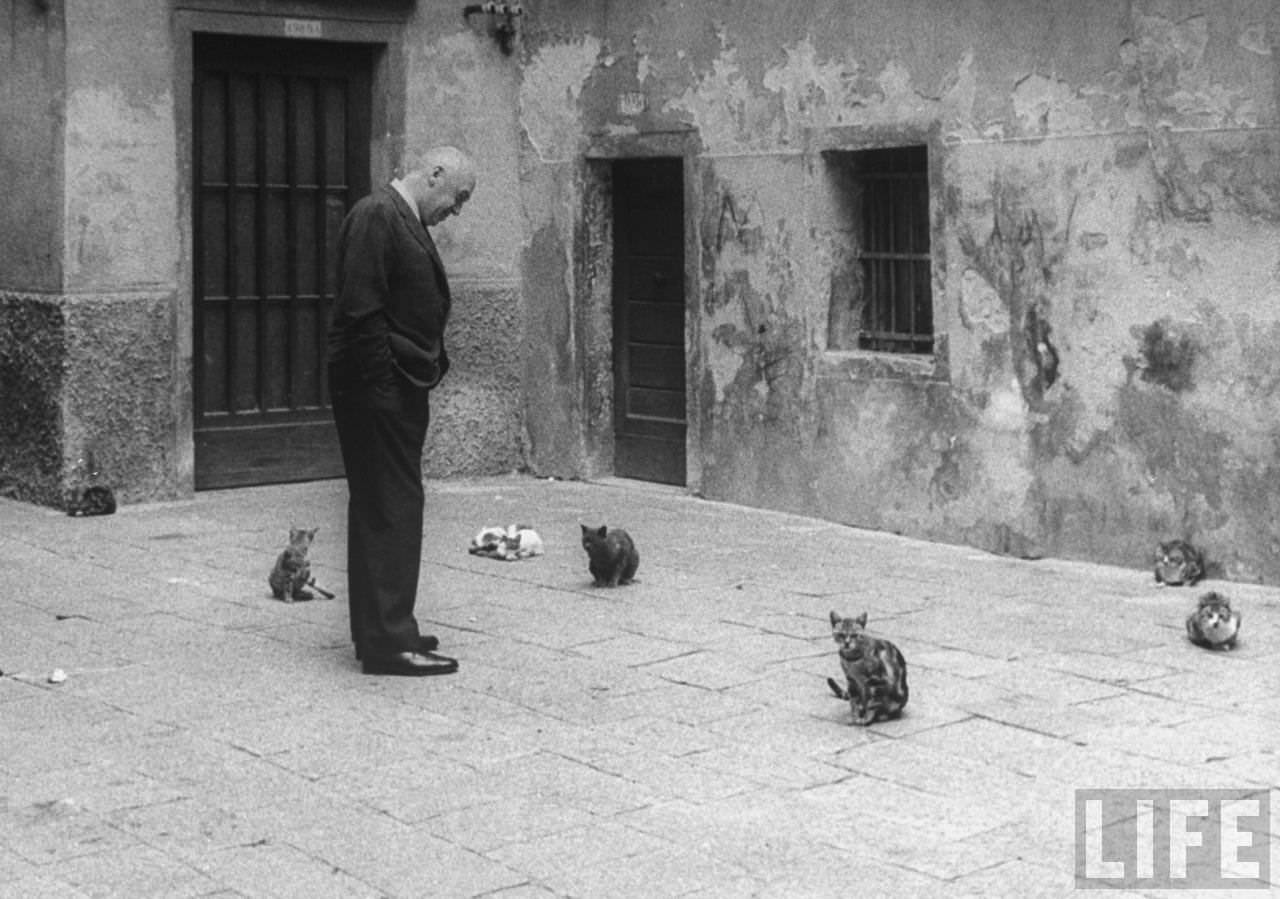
[
  {"x": 291, "y": 575},
  {"x": 875, "y": 671},
  {"x": 1177, "y": 563}
]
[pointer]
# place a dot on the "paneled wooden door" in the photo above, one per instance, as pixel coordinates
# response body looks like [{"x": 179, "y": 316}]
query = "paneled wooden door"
[
  {"x": 281, "y": 146},
  {"x": 649, "y": 320}
]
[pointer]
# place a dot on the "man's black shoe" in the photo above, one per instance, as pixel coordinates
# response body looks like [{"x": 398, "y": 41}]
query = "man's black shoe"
[
  {"x": 409, "y": 664},
  {"x": 426, "y": 643}
]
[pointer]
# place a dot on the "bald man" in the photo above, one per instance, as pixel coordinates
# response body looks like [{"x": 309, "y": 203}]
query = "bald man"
[{"x": 386, "y": 353}]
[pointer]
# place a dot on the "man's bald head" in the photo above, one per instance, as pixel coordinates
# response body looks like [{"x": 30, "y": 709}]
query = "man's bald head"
[{"x": 441, "y": 182}]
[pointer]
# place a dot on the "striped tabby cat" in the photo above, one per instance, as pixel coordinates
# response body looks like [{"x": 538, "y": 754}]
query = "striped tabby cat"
[
  {"x": 1177, "y": 563},
  {"x": 291, "y": 575},
  {"x": 875, "y": 671}
]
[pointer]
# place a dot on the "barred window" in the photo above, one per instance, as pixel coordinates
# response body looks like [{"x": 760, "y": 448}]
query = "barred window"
[{"x": 887, "y": 303}]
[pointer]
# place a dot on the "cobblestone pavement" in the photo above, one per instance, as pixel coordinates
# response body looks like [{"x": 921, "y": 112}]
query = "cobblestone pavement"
[{"x": 671, "y": 738}]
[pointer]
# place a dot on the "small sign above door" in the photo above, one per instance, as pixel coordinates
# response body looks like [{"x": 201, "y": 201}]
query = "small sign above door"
[
  {"x": 303, "y": 28},
  {"x": 631, "y": 103}
]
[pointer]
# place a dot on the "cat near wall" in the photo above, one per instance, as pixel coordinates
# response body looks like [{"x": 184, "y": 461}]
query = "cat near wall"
[
  {"x": 96, "y": 499},
  {"x": 1214, "y": 624},
  {"x": 1178, "y": 562},
  {"x": 88, "y": 496}
]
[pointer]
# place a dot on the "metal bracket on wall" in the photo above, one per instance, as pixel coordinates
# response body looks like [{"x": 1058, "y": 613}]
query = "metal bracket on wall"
[{"x": 502, "y": 20}]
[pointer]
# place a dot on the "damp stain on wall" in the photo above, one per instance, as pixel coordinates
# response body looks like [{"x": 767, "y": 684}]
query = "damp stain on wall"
[
  {"x": 1019, "y": 258},
  {"x": 1165, "y": 356},
  {"x": 1182, "y": 456}
]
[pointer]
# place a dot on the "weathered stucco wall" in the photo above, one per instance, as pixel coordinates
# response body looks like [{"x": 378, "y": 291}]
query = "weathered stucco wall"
[
  {"x": 31, "y": 333},
  {"x": 121, "y": 239},
  {"x": 552, "y": 126},
  {"x": 32, "y": 347},
  {"x": 1105, "y": 188},
  {"x": 31, "y": 67},
  {"x": 461, "y": 90},
  {"x": 90, "y": 250}
]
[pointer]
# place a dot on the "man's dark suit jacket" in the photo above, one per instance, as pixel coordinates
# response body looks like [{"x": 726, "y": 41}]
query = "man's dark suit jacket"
[{"x": 393, "y": 299}]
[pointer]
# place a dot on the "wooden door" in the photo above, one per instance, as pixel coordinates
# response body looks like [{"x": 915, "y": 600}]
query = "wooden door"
[
  {"x": 648, "y": 320},
  {"x": 281, "y": 147}
]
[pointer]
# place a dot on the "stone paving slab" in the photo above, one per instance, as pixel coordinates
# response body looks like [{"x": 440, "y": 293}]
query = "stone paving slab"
[{"x": 671, "y": 738}]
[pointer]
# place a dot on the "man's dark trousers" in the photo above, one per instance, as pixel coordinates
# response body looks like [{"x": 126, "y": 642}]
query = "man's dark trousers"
[{"x": 382, "y": 453}]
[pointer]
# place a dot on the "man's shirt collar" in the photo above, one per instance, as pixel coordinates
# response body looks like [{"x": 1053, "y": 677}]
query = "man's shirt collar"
[{"x": 399, "y": 188}]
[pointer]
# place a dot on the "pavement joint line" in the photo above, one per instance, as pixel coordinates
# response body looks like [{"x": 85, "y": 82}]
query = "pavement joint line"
[
  {"x": 1025, "y": 727},
  {"x": 695, "y": 651}
]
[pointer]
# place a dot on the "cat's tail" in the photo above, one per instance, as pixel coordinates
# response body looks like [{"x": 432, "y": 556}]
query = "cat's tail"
[
  {"x": 321, "y": 590},
  {"x": 840, "y": 692}
]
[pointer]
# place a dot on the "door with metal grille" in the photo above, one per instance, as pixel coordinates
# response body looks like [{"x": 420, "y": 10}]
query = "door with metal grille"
[
  {"x": 648, "y": 320},
  {"x": 281, "y": 147}
]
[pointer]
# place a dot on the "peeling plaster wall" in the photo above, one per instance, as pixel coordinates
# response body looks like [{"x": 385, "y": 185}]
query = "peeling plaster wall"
[
  {"x": 1105, "y": 187},
  {"x": 561, "y": 344},
  {"x": 461, "y": 90}
]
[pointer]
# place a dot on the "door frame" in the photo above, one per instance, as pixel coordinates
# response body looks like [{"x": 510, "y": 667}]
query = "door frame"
[
  {"x": 386, "y": 145},
  {"x": 593, "y": 313}
]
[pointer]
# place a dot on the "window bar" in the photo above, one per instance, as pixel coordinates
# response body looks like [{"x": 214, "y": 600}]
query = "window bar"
[
  {"x": 908, "y": 228},
  {"x": 923, "y": 274},
  {"x": 892, "y": 201},
  {"x": 884, "y": 322},
  {"x": 868, "y": 276},
  {"x": 883, "y": 215},
  {"x": 871, "y": 304}
]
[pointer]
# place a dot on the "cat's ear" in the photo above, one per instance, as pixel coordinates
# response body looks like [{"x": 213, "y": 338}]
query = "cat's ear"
[
  {"x": 861, "y": 620},
  {"x": 835, "y": 619},
  {"x": 603, "y": 531},
  {"x": 585, "y": 530}
]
